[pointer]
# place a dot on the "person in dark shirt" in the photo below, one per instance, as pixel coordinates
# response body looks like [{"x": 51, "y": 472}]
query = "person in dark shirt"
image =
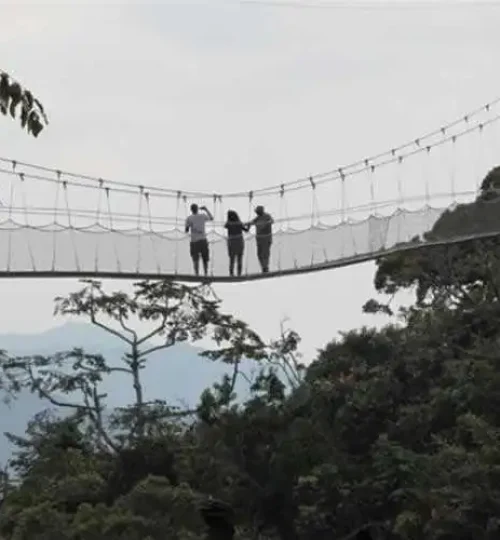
[
  {"x": 264, "y": 236},
  {"x": 235, "y": 241}
]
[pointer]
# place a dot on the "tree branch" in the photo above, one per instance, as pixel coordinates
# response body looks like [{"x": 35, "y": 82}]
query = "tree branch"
[
  {"x": 95, "y": 415},
  {"x": 119, "y": 370},
  {"x": 108, "y": 329},
  {"x": 236, "y": 371},
  {"x": 151, "y": 350},
  {"x": 158, "y": 329},
  {"x": 126, "y": 328}
]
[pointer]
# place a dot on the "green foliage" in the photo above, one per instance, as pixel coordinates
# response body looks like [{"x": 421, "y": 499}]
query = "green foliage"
[{"x": 14, "y": 100}]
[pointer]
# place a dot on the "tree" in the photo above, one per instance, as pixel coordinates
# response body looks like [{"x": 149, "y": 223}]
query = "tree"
[
  {"x": 177, "y": 313},
  {"x": 111, "y": 454},
  {"x": 15, "y": 99},
  {"x": 63, "y": 492}
]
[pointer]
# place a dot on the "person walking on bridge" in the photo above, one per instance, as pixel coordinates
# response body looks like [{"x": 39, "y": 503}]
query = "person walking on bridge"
[
  {"x": 195, "y": 223},
  {"x": 235, "y": 241},
  {"x": 264, "y": 236}
]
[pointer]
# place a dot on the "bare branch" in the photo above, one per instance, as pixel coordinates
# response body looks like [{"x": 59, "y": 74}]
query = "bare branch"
[
  {"x": 151, "y": 350},
  {"x": 234, "y": 378},
  {"x": 126, "y": 328},
  {"x": 119, "y": 370},
  {"x": 156, "y": 331},
  {"x": 109, "y": 329},
  {"x": 175, "y": 414},
  {"x": 61, "y": 404},
  {"x": 95, "y": 415},
  {"x": 46, "y": 395}
]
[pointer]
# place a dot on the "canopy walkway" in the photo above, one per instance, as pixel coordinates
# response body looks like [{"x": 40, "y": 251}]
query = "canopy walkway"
[{"x": 429, "y": 191}]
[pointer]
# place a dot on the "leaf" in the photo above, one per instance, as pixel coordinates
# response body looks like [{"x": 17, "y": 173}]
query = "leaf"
[
  {"x": 42, "y": 110},
  {"x": 34, "y": 124},
  {"x": 406, "y": 522},
  {"x": 16, "y": 95},
  {"x": 28, "y": 99},
  {"x": 4, "y": 92},
  {"x": 24, "y": 115}
]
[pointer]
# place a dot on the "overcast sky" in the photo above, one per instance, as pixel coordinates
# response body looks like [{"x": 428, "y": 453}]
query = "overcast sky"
[{"x": 223, "y": 95}]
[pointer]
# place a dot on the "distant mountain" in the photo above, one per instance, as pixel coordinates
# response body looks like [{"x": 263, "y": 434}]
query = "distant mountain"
[{"x": 177, "y": 375}]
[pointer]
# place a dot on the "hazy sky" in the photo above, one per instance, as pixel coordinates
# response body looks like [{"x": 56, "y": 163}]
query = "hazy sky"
[{"x": 227, "y": 95}]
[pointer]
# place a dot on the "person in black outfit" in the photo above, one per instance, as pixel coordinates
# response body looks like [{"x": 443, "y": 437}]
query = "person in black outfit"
[
  {"x": 235, "y": 241},
  {"x": 264, "y": 236}
]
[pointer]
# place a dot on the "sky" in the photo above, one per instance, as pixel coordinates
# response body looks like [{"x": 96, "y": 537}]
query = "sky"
[{"x": 225, "y": 95}]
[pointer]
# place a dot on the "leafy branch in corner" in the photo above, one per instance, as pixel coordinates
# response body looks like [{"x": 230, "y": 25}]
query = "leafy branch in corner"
[{"x": 14, "y": 99}]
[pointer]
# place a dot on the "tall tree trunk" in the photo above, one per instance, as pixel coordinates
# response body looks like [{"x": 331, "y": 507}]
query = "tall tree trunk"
[{"x": 135, "y": 366}]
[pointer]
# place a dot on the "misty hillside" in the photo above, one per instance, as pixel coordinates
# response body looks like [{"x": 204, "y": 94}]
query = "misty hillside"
[{"x": 177, "y": 375}]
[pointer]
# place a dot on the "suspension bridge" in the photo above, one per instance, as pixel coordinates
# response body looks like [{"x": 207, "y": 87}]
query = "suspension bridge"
[{"x": 56, "y": 223}]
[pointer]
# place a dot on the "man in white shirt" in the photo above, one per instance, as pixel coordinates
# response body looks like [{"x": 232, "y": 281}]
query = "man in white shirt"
[{"x": 199, "y": 244}]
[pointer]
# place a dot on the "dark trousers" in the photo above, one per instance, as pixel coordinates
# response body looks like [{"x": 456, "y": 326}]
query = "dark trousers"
[
  {"x": 264, "y": 251},
  {"x": 200, "y": 249},
  {"x": 235, "y": 249}
]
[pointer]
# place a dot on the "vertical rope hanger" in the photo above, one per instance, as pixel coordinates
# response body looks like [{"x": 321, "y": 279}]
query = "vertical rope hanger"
[
  {"x": 56, "y": 222},
  {"x": 314, "y": 203},
  {"x": 71, "y": 228},
  {"x": 400, "y": 211},
  {"x": 289, "y": 228},
  {"x": 98, "y": 223},
  {"x": 348, "y": 225},
  {"x": 314, "y": 214},
  {"x": 215, "y": 199},
  {"x": 152, "y": 233},
  {"x": 388, "y": 219},
  {"x": 473, "y": 157},
  {"x": 372, "y": 188},
  {"x": 280, "y": 218},
  {"x": 372, "y": 208},
  {"x": 426, "y": 168},
  {"x": 453, "y": 173},
  {"x": 112, "y": 230},
  {"x": 250, "y": 201},
  {"x": 480, "y": 153},
  {"x": 342, "y": 225},
  {"x": 177, "y": 228},
  {"x": 493, "y": 129},
  {"x": 182, "y": 230},
  {"x": 25, "y": 207},
  {"x": 11, "y": 203},
  {"x": 139, "y": 232},
  {"x": 221, "y": 220}
]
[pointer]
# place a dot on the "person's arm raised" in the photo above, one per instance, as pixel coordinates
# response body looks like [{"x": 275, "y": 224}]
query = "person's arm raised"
[{"x": 207, "y": 211}]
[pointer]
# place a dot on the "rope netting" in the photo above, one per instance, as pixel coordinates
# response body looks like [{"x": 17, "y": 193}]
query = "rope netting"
[{"x": 58, "y": 222}]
